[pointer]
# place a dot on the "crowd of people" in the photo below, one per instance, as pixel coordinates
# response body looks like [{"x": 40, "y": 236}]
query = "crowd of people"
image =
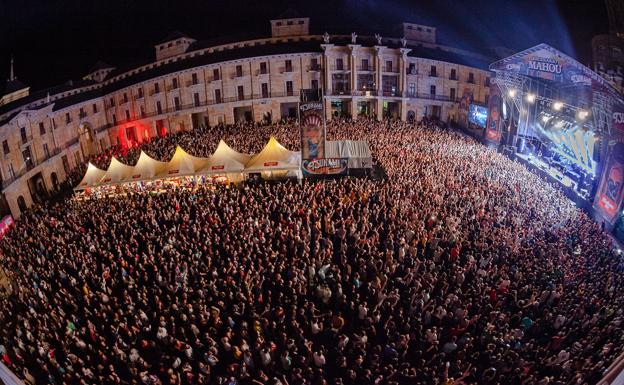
[{"x": 459, "y": 267}]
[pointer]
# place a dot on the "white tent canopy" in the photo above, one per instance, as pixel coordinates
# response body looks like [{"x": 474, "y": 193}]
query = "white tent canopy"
[
  {"x": 91, "y": 177},
  {"x": 181, "y": 164},
  {"x": 117, "y": 172},
  {"x": 274, "y": 157},
  {"x": 146, "y": 168},
  {"x": 357, "y": 151},
  {"x": 225, "y": 160}
]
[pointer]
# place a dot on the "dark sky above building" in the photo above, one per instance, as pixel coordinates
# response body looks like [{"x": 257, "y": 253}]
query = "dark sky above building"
[{"x": 57, "y": 40}]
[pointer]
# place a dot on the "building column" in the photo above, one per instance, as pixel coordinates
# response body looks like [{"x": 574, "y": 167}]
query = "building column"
[
  {"x": 354, "y": 112},
  {"x": 327, "y": 87},
  {"x": 378, "y": 84},
  {"x": 403, "y": 69},
  {"x": 353, "y": 67}
]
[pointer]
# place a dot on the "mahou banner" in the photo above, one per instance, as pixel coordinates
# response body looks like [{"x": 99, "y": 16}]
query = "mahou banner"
[
  {"x": 609, "y": 196},
  {"x": 493, "y": 125},
  {"x": 312, "y": 130}
]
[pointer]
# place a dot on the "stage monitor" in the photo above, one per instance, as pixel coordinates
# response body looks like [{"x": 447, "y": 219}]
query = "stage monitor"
[{"x": 477, "y": 115}]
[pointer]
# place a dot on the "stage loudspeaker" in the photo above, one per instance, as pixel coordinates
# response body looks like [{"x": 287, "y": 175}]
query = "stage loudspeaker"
[{"x": 520, "y": 144}]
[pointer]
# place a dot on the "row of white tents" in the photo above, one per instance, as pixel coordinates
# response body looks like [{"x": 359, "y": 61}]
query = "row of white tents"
[{"x": 224, "y": 161}]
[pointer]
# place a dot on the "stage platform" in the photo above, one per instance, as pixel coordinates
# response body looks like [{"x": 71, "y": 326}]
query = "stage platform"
[{"x": 554, "y": 175}]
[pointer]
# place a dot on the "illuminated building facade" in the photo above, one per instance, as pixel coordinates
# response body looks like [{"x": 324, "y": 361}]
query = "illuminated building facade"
[{"x": 191, "y": 83}]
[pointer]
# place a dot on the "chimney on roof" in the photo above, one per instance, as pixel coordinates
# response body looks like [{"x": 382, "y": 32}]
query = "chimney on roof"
[{"x": 12, "y": 72}]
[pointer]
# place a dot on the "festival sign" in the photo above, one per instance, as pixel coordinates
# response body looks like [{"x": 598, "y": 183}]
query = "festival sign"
[
  {"x": 493, "y": 124},
  {"x": 312, "y": 130},
  {"x": 609, "y": 196},
  {"x": 618, "y": 118},
  {"x": 545, "y": 62},
  {"x": 325, "y": 166}
]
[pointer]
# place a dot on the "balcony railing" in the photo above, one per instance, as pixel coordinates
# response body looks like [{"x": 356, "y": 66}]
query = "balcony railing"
[
  {"x": 263, "y": 71},
  {"x": 453, "y": 77},
  {"x": 314, "y": 67},
  {"x": 82, "y": 115},
  {"x": 340, "y": 68},
  {"x": 367, "y": 92},
  {"x": 411, "y": 71},
  {"x": 365, "y": 68},
  {"x": 26, "y": 139},
  {"x": 433, "y": 74}
]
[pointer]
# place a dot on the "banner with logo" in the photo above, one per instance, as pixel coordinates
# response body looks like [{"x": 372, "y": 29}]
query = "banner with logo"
[
  {"x": 325, "y": 166},
  {"x": 618, "y": 119},
  {"x": 609, "y": 196},
  {"x": 493, "y": 129},
  {"x": 545, "y": 62},
  {"x": 311, "y": 121}
]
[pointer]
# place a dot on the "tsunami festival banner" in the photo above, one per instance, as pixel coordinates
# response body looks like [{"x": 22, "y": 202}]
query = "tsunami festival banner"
[
  {"x": 609, "y": 197},
  {"x": 311, "y": 121},
  {"x": 493, "y": 124},
  {"x": 325, "y": 166}
]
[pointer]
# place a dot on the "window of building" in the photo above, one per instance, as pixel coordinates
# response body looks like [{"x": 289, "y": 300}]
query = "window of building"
[
  {"x": 174, "y": 83},
  {"x": 452, "y": 94},
  {"x": 125, "y": 97},
  {"x": 142, "y": 109},
  {"x": 289, "y": 22},
  {"x": 470, "y": 77},
  {"x": 23, "y": 134},
  {"x": 194, "y": 78},
  {"x": 411, "y": 89},
  {"x": 140, "y": 92},
  {"x": 196, "y": 99},
  {"x": 95, "y": 108},
  {"x": 487, "y": 81},
  {"x": 487, "y": 99},
  {"x": 428, "y": 29},
  {"x": 42, "y": 129},
  {"x": 158, "y": 108},
  {"x": 239, "y": 70},
  {"x": 218, "y": 96},
  {"x": 5, "y": 147},
  {"x": 339, "y": 64},
  {"x": 131, "y": 134},
  {"x": 114, "y": 119},
  {"x": 419, "y": 28},
  {"x": 314, "y": 84},
  {"x": 279, "y": 23},
  {"x": 176, "y": 103},
  {"x": 263, "y": 68},
  {"x": 453, "y": 74},
  {"x": 156, "y": 88},
  {"x": 81, "y": 113},
  {"x": 434, "y": 71},
  {"x": 314, "y": 66},
  {"x": 127, "y": 115},
  {"x": 67, "y": 117},
  {"x": 289, "y": 88},
  {"x": 300, "y": 22},
  {"x": 27, "y": 157},
  {"x": 46, "y": 151},
  {"x": 366, "y": 82},
  {"x": 265, "y": 90},
  {"x": 364, "y": 64},
  {"x": 11, "y": 171},
  {"x": 215, "y": 74},
  {"x": 390, "y": 85},
  {"x": 241, "y": 93},
  {"x": 412, "y": 69},
  {"x": 112, "y": 102},
  {"x": 288, "y": 65},
  {"x": 432, "y": 91},
  {"x": 389, "y": 66}
]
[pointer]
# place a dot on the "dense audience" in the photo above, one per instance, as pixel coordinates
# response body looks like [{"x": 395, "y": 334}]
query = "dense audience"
[{"x": 460, "y": 267}]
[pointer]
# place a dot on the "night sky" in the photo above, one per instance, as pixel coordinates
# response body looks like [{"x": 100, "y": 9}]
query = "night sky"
[{"x": 57, "y": 40}]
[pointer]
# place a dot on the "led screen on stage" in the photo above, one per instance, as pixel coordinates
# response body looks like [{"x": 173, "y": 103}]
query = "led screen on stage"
[{"x": 477, "y": 115}]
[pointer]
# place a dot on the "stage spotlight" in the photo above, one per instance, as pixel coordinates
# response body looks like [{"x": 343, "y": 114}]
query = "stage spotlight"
[
  {"x": 545, "y": 119},
  {"x": 557, "y": 106},
  {"x": 530, "y": 98},
  {"x": 512, "y": 93},
  {"x": 582, "y": 114}
]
